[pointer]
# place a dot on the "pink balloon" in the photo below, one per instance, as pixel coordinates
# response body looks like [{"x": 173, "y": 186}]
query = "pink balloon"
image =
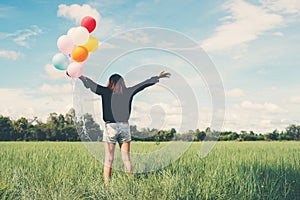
[
  {"x": 75, "y": 69},
  {"x": 65, "y": 44}
]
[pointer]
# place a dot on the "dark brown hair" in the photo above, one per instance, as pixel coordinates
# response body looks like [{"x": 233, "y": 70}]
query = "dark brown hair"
[{"x": 116, "y": 83}]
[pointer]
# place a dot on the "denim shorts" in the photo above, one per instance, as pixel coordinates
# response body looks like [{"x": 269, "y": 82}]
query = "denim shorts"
[{"x": 117, "y": 132}]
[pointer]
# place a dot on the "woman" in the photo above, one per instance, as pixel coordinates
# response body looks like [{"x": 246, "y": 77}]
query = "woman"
[{"x": 116, "y": 106}]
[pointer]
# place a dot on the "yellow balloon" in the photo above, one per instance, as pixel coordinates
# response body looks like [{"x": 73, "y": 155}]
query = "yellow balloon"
[{"x": 92, "y": 44}]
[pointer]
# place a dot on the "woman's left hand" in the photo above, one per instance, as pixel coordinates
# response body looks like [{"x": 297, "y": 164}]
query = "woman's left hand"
[{"x": 164, "y": 74}]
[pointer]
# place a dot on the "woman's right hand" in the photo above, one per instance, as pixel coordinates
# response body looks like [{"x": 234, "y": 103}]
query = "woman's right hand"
[{"x": 83, "y": 78}]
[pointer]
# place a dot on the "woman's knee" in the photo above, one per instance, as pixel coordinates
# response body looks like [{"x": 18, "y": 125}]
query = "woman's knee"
[{"x": 109, "y": 160}]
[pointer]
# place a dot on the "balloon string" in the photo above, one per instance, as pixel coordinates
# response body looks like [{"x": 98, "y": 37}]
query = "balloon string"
[{"x": 73, "y": 90}]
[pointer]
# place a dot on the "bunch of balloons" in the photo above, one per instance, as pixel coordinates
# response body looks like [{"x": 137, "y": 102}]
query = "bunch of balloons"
[{"x": 75, "y": 47}]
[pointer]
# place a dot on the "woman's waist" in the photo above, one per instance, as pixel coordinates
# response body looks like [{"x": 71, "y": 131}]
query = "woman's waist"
[{"x": 116, "y": 122}]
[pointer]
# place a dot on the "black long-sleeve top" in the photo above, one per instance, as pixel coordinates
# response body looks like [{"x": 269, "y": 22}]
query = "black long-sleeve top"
[{"x": 117, "y": 107}]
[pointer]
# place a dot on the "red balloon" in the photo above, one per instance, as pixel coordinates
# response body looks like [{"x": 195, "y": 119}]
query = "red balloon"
[{"x": 89, "y": 23}]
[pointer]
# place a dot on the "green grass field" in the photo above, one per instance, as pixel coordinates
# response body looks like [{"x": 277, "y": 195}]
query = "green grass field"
[{"x": 233, "y": 170}]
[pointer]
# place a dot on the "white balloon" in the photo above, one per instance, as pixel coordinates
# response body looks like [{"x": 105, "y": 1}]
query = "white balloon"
[
  {"x": 79, "y": 35},
  {"x": 71, "y": 32}
]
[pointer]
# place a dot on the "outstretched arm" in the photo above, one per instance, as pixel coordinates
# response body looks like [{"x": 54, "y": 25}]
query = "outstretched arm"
[
  {"x": 88, "y": 83},
  {"x": 139, "y": 87}
]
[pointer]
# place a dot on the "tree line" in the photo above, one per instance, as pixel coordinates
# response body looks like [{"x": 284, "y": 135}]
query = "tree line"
[{"x": 59, "y": 127}]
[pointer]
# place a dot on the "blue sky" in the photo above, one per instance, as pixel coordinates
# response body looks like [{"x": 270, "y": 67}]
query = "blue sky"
[{"x": 253, "y": 44}]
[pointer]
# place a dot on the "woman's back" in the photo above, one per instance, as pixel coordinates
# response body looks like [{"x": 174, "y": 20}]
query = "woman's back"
[{"x": 116, "y": 106}]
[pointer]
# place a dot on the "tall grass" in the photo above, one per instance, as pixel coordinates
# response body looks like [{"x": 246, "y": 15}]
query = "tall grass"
[{"x": 233, "y": 170}]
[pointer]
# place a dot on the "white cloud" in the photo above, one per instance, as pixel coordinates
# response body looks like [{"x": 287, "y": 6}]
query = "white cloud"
[
  {"x": 235, "y": 93},
  {"x": 11, "y": 55},
  {"x": 21, "y": 37},
  {"x": 258, "y": 117},
  {"x": 294, "y": 100},
  {"x": 29, "y": 103},
  {"x": 283, "y": 6},
  {"x": 107, "y": 45},
  {"x": 269, "y": 107},
  {"x": 5, "y": 11},
  {"x": 138, "y": 36},
  {"x": 53, "y": 73},
  {"x": 264, "y": 110},
  {"x": 280, "y": 34},
  {"x": 76, "y": 12},
  {"x": 105, "y": 26},
  {"x": 244, "y": 23},
  {"x": 56, "y": 89}
]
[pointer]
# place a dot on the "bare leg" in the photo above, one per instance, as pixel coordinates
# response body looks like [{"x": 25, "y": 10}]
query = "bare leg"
[
  {"x": 109, "y": 158},
  {"x": 125, "y": 151}
]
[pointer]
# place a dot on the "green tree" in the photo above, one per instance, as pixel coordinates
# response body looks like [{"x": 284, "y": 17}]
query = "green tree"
[
  {"x": 199, "y": 135},
  {"x": 228, "y": 135},
  {"x": 22, "y": 130},
  {"x": 41, "y": 130},
  {"x": 187, "y": 136},
  {"x": 211, "y": 135},
  {"x": 70, "y": 133},
  {"x": 293, "y": 132},
  {"x": 6, "y": 129},
  {"x": 169, "y": 135},
  {"x": 69, "y": 130},
  {"x": 92, "y": 129},
  {"x": 70, "y": 116},
  {"x": 60, "y": 135},
  {"x": 52, "y": 125},
  {"x": 274, "y": 135}
]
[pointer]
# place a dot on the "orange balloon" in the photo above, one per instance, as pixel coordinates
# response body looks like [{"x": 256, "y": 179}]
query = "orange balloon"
[{"x": 80, "y": 54}]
